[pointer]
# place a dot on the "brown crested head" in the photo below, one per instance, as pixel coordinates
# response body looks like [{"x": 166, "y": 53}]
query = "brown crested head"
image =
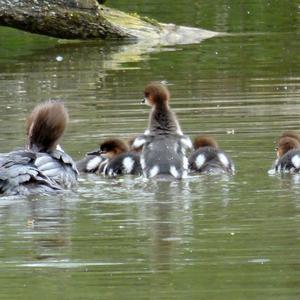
[
  {"x": 112, "y": 147},
  {"x": 291, "y": 134},
  {"x": 286, "y": 144},
  {"x": 156, "y": 93},
  {"x": 46, "y": 125},
  {"x": 204, "y": 141}
]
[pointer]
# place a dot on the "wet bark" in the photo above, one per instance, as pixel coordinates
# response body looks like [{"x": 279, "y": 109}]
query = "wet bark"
[
  {"x": 83, "y": 19},
  {"x": 87, "y": 19}
]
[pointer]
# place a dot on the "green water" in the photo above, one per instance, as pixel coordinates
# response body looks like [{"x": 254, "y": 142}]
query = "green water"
[{"x": 206, "y": 237}]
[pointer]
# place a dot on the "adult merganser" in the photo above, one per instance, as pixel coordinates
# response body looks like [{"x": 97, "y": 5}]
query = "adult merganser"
[{"x": 43, "y": 166}]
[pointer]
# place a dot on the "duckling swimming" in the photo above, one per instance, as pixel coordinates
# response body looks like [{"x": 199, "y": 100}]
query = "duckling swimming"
[
  {"x": 121, "y": 160},
  {"x": 208, "y": 158},
  {"x": 115, "y": 159},
  {"x": 288, "y": 154},
  {"x": 164, "y": 144},
  {"x": 43, "y": 166},
  {"x": 93, "y": 162},
  {"x": 96, "y": 161}
]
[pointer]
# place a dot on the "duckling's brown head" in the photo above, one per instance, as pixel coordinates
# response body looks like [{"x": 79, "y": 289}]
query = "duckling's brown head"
[
  {"x": 204, "y": 141},
  {"x": 291, "y": 134},
  {"x": 286, "y": 144},
  {"x": 156, "y": 93},
  {"x": 46, "y": 125},
  {"x": 112, "y": 147}
]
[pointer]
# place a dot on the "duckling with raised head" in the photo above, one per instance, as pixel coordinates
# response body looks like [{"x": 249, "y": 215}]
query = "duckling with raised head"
[
  {"x": 162, "y": 119},
  {"x": 43, "y": 166},
  {"x": 164, "y": 145},
  {"x": 208, "y": 158}
]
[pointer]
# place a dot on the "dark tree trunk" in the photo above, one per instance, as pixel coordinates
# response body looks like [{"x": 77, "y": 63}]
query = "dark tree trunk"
[{"x": 87, "y": 19}]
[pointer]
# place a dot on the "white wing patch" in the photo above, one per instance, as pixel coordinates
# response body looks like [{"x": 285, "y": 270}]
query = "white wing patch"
[
  {"x": 179, "y": 131},
  {"x": 200, "y": 160},
  {"x": 128, "y": 163},
  {"x": 143, "y": 163},
  {"x": 176, "y": 147},
  {"x": 272, "y": 172},
  {"x": 187, "y": 143},
  {"x": 111, "y": 173},
  {"x": 138, "y": 142},
  {"x": 94, "y": 163},
  {"x": 296, "y": 161},
  {"x": 105, "y": 168},
  {"x": 154, "y": 171},
  {"x": 223, "y": 159},
  {"x": 58, "y": 147},
  {"x": 174, "y": 172},
  {"x": 185, "y": 163},
  {"x": 184, "y": 174},
  {"x": 233, "y": 168}
]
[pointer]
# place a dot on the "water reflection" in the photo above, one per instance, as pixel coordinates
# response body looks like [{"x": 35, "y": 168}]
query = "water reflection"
[
  {"x": 40, "y": 225},
  {"x": 208, "y": 236},
  {"x": 166, "y": 233}
]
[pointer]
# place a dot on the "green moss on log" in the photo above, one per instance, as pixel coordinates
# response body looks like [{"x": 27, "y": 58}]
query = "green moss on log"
[{"x": 86, "y": 19}]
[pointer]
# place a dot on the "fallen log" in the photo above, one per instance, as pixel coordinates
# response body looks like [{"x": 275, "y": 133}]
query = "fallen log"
[{"x": 88, "y": 19}]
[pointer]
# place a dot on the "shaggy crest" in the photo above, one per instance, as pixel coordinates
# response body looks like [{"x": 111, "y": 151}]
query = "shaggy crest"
[
  {"x": 291, "y": 134},
  {"x": 46, "y": 125},
  {"x": 286, "y": 144},
  {"x": 156, "y": 93},
  {"x": 114, "y": 146},
  {"x": 204, "y": 141}
]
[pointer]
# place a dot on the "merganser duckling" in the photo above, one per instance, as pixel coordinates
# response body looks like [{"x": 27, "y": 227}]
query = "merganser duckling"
[
  {"x": 208, "y": 158},
  {"x": 93, "y": 162},
  {"x": 288, "y": 154},
  {"x": 162, "y": 119},
  {"x": 43, "y": 166},
  {"x": 116, "y": 159},
  {"x": 96, "y": 161},
  {"x": 121, "y": 160},
  {"x": 164, "y": 144}
]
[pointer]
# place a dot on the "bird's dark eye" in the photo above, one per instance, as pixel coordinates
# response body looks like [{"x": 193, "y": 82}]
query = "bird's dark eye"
[{"x": 147, "y": 94}]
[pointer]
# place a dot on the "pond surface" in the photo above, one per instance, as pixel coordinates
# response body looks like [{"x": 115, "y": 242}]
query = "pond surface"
[{"x": 207, "y": 237}]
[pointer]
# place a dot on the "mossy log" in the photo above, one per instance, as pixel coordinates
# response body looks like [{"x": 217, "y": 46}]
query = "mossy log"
[{"x": 87, "y": 19}]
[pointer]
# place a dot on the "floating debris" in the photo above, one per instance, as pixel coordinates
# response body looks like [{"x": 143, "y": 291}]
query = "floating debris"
[
  {"x": 59, "y": 58},
  {"x": 230, "y": 131}
]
